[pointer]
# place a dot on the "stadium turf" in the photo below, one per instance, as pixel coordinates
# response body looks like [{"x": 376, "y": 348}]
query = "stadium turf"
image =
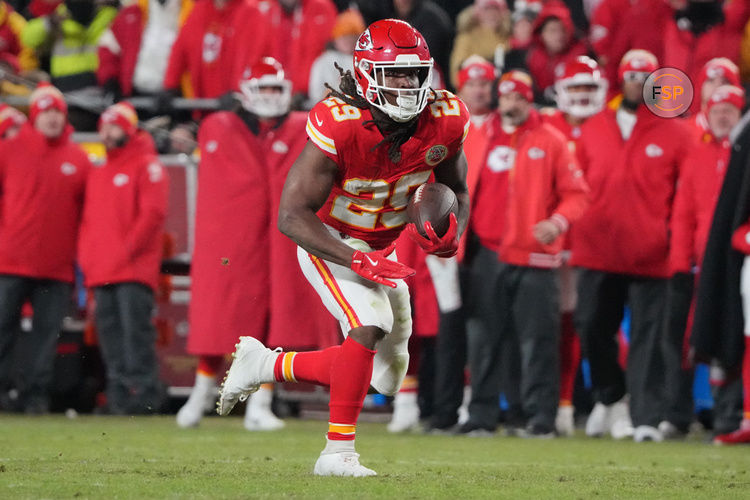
[{"x": 149, "y": 457}]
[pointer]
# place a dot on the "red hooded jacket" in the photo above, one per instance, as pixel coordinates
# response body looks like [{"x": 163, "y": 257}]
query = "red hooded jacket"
[
  {"x": 214, "y": 47},
  {"x": 43, "y": 184},
  {"x": 299, "y": 37},
  {"x": 701, "y": 176},
  {"x": 626, "y": 229},
  {"x": 540, "y": 63},
  {"x": 123, "y": 218}
]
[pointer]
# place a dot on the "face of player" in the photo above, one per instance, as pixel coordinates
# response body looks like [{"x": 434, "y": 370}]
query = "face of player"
[
  {"x": 582, "y": 94},
  {"x": 50, "y": 123},
  {"x": 632, "y": 86},
  {"x": 554, "y": 36},
  {"x": 710, "y": 85},
  {"x": 112, "y": 136},
  {"x": 400, "y": 78},
  {"x": 477, "y": 95},
  {"x": 722, "y": 118},
  {"x": 514, "y": 109}
]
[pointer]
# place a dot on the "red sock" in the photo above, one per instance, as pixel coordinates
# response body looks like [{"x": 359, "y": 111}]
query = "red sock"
[
  {"x": 570, "y": 357},
  {"x": 746, "y": 378},
  {"x": 351, "y": 372},
  {"x": 313, "y": 367},
  {"x": 209, "y": 365}
]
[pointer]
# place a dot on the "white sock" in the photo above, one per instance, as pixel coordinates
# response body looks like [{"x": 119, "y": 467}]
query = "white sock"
[{"x": 337, "y": 446}]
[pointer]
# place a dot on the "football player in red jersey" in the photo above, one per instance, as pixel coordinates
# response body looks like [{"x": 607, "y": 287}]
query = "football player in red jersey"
[
  {"x": 245, "y": 156},
  {"x": 372, "y": 143},
  {"x": 580, "y": 92}
]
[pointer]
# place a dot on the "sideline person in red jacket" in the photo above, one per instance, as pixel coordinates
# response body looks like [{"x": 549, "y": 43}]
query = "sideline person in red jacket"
[
  {"x": 218, "y": 40},
  {"x": 43, "y": 178},
  {"x": 701, "y": 177},
  {"x": 245, "y": 279},
  {"x": 554, "y": 43},
  {"x": 546, "y": 192},
  {"x": 631, "y": 161},
  {"x": 120, "y": 254}
]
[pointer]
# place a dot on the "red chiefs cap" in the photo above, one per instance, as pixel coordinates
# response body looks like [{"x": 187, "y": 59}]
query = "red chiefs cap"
[
  {"x": 122, "y": 114},
  {"x": 727, "y": 93},
  {"x": 516, "y": 81},
  {"x": 45, "y": 97},
  {"x": 717, "y": 67},
  {"x": 637, "y": 61},
  {"x": 476, "y": 67}
]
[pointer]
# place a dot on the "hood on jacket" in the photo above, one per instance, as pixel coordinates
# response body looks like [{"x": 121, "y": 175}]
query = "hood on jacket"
[{"x": 554, "y": 10}]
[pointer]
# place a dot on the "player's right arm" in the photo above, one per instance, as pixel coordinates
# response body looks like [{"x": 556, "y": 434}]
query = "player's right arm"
[{"x": 306, "y": 189}]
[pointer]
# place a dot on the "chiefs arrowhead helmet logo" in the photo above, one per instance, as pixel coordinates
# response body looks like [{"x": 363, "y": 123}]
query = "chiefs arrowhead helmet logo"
[{"x": 365, "y": 41}]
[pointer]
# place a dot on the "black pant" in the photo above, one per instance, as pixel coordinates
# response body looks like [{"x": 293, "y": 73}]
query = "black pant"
[
  {"x": 494, "y": 359},
  {"x": 530, "y": 309},
  {"x": 450, "y": 360},
  {"x": 50, "y": 300},
  {"x": 678, "y": 377},
  {"x": 127, "y": 337},
  {"x": 602, "y": 298}
]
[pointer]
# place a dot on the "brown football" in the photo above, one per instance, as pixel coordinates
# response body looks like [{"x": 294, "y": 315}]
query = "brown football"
[{"x": 432, "y": 202}]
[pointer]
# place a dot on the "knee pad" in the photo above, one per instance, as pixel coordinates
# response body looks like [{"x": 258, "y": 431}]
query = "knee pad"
[{"x": 388, "y": 376}]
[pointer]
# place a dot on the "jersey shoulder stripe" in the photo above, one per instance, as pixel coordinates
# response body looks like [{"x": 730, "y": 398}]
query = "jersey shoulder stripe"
[{"x": 325, "y": 143}]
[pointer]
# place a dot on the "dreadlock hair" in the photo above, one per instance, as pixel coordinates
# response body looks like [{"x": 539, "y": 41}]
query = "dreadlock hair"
[{"x": 347, "y": 92}]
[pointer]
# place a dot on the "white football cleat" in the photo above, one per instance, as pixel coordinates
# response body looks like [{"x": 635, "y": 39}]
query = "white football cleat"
[
  {"x": 200, "y": 402},
  {"x": 565, "y": 421},
  {"x": 345, "y": 463},
  {"x": 598, "y": 422},
  {"x": 405, "y": 416},
  {"x": 621, "y": 426},
  {"x": 258, "y": 414},
  {"x": 252, "y": 366}
]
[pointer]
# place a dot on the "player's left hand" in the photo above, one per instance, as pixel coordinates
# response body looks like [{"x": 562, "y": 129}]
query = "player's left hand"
[{"x": 447, "y": 246}]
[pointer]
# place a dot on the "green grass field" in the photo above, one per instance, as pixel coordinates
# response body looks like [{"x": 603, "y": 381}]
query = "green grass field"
[{"x": 149, "y": 457}]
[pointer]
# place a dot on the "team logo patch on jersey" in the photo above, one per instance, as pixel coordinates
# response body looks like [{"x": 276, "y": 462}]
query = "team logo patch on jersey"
[
  {"x": 120, "y": 180},
  {"x": 654, "y": 151},
  {"x": 365, "y": 41},
  {"x": 435, "y": 155},
  {"x": 280, "y": 147},
  {"x": 211, "y": 146},
  {"x": 501, "y": 159},
  {"x": 68, "y": 168},
  {"x": 536, "y": 153}
]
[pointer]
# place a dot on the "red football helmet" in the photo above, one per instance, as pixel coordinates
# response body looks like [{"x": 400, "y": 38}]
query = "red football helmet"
[
  {"x": 581, "y": 103},
  {"x": 389, "y": 44},
  {"x": 266, "y": 74}
]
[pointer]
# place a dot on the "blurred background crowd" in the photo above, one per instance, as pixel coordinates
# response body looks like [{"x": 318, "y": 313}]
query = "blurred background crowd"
[{"x": 599, "y": 322}]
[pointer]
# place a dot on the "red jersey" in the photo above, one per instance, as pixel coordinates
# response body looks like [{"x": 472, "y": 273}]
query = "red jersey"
[{"x": 369, "y": 197}]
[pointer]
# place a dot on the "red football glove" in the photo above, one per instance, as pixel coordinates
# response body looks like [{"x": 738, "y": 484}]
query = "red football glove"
[
  {"x": 447, "y": 246},
  {"x": 375, "y": 266}
]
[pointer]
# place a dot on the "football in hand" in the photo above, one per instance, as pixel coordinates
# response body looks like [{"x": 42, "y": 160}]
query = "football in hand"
[{"x": 432, "y": 202}]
